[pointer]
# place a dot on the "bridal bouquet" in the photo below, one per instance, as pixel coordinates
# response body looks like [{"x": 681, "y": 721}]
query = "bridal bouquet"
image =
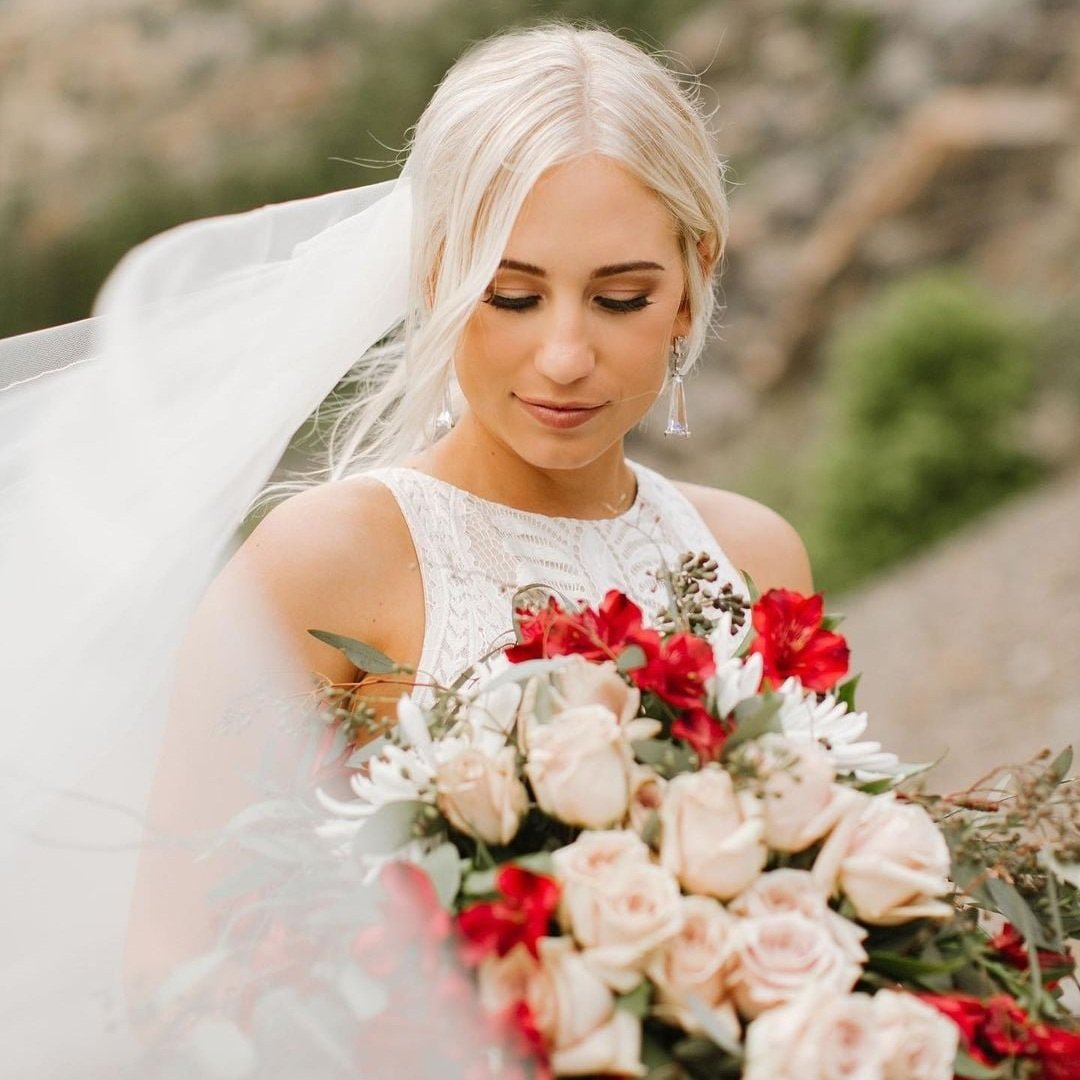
[{"x": 667, "y": 851}]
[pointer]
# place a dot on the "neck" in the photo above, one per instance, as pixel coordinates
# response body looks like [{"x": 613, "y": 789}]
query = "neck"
[{"x": 470, "y": 458}]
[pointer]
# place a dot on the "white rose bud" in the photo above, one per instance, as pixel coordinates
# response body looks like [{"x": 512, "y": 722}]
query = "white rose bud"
[
  {"x": 481, "y": 795},
  {"x": 712, "y": 837},
  {"x": 800, "y": 801},
  {"x": 579, "y": 767},
  {"x": 819, "y": 1036},
  {"x": 694, "y": 966},
  {"x": 889, "y": 859},
  {"x": 778, "y": 956},
  {"x": 920, "y": 1043}
]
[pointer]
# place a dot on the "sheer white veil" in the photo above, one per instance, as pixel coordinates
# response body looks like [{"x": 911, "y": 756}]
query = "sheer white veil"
[{"x": 131, "y": 446}]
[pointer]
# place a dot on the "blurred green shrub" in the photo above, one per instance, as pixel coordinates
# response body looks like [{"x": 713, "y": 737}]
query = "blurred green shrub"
[{"x": 926, "y": 392}]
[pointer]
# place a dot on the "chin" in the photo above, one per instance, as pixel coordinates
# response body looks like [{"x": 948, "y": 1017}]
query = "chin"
[{"x": 562, "y": 452}]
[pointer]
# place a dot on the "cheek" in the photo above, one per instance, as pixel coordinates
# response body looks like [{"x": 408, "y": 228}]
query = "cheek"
[{"x": 489, "y": 334}]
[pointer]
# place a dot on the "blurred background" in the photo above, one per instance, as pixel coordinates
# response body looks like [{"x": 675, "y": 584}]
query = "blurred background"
[{"x": 897, "y": 369}]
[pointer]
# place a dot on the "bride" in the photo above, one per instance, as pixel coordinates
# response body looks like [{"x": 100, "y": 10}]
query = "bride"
[{"x": 545, "y": 268}]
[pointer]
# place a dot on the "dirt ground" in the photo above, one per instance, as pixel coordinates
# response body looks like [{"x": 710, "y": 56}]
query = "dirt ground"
[{"x": 973, "y": 649}]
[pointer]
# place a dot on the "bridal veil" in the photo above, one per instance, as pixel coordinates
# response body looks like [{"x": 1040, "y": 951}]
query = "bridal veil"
[{"x": 132, "y": 446}]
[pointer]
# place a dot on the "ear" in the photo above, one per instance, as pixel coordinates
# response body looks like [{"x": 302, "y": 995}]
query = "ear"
[{"x": 707, "y": 261}]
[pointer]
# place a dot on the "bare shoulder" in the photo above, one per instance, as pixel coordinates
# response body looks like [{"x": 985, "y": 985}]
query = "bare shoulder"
[
  {"x": 338, "y": 557},
  {"x": 755, "y": 538}
]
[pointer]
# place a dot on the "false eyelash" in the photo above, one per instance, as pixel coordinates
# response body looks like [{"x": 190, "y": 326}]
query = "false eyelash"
[{"x": 523, "y": 303}]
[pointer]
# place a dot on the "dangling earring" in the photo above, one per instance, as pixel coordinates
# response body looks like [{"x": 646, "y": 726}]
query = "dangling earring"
[
  {"x": 445, "y": 419},
  {"x": 677, "y": 424}
]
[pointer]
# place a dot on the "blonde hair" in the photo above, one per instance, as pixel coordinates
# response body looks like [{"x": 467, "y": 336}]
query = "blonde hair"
[{"x": 512, "y": 107}]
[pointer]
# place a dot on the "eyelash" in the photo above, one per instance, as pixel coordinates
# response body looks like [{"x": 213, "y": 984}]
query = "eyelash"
[{"x": 523, "y": 303}]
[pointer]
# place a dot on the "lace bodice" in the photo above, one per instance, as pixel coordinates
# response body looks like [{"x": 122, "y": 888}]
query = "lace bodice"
[{"x": 474, "y": 554}]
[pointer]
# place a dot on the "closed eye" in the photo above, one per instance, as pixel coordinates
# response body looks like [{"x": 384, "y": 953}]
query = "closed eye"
[{"x": 523, "y": 303}]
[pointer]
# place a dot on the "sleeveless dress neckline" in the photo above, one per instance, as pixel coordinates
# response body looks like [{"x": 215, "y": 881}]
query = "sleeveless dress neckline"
[
  {"x": 474, "y": 554},
  {"x": 629, "y": 512}
]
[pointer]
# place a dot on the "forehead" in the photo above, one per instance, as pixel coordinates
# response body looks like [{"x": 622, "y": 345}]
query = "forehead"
[{"x": 590, "y": 212}]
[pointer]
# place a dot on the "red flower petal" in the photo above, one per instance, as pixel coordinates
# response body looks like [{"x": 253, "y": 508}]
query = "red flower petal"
[{"x": 792, "y": 642}]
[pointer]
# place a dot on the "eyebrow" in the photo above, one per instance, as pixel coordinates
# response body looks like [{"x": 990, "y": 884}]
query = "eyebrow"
[{"x": 599, "y": 272}]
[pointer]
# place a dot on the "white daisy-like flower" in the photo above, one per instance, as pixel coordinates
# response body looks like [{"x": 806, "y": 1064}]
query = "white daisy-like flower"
[
  {"x": 829, "y": 723},
  {"x": 396, "y": 773},
  {"x": 735, "y": 680}
]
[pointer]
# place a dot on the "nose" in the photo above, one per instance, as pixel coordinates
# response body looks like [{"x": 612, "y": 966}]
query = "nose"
[{"x": 565, "y": 353}]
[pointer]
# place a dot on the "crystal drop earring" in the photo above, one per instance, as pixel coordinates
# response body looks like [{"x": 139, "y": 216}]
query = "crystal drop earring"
[
  {"x": 444, "y": 421},
  {"x": 677, "y": 424}
]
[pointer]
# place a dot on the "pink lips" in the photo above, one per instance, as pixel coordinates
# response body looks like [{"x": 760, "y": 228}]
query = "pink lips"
[{"x": 560, "y": 416}]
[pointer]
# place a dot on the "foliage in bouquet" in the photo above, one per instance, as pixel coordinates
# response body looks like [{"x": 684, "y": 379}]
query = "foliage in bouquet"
[{"x": 667, "y": 851}]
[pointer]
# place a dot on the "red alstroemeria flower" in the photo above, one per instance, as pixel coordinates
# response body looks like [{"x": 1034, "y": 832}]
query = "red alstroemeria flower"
[
  {"x": 412, "y": 917},
  {"x": 520, "y": 917},
  {"x": 597, "y": 635},
  {"x": 1059, "y": 1052},
  {"x": 998, "y": 1028},
  {"x": 791, "y": 640},
  {"x": 1011, "y": 949},
  {"x": 704, "y": 734},
  {"x": 676, "y": 670}
]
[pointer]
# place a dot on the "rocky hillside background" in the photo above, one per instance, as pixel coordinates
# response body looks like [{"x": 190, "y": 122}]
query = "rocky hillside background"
[{"x": 868, "y": 141}]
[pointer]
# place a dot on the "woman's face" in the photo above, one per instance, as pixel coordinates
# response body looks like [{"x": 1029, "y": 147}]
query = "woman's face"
[{"x": 568, "y": 349}]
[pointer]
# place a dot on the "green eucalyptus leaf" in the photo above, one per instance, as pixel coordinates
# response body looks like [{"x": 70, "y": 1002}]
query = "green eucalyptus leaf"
[
  {"x": 1015, "y": 908},
  {"x": 1062, "y": 763},
  {"x": 755, "y": 717},
  {"x": 479, "y": 883},
  {"x": 831, "y": 621},
  {"x": 633, "y": 656},
  {"x": 636, "y": 1002},
  {"x": 967, "y": 1067},
  {"x": 366, "y": 657},
  {"x": 651, "y": 751},
  {"x": 390, "y": 827},
  {"x": 912, "y": 967},
  {"x": 845, "y": 692},
  {"x": 751, "y": 587},
  {"x": 650, "y": 830},
  {"x": 482, "y": 882},
  {"x": 877, "y": 787},
  {"x": 443, "y": 866}
]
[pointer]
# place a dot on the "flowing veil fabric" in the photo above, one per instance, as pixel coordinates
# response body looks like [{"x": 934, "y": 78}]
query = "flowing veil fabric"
[{"x": 131, "y": 446}]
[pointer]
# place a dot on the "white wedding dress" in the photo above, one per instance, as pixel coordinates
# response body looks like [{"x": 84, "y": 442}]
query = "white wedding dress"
[{"x": 474, "y": 554}]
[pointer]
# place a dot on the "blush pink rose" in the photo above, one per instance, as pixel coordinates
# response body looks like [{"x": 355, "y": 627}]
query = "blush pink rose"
[
  {"x": 579, "y": 766},
  {"x": 620, "y": 915},
  {"x": 690, "y": 970},
  {"x": 889, "y": 859},
  {"x": 778, "y": 956},
  {"x": 820, "y": 1035},
  {"x": 800, "y": 800},
  {"x": 796, "y": 890},
  {"x": 712, "y": 837}
]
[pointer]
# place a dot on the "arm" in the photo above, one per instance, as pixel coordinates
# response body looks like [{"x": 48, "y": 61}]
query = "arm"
[
  {"x": 328, "y": 559},
  {"x": 756, "y": 539}
]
